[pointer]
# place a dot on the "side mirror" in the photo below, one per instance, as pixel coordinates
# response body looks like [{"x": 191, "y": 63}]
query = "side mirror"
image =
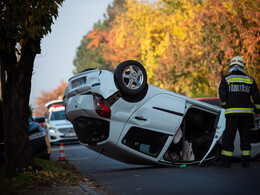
[{"x": 40, "y": 119}]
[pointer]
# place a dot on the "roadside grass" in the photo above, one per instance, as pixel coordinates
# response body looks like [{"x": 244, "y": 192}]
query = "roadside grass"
[{"x": 52, "y": 173}]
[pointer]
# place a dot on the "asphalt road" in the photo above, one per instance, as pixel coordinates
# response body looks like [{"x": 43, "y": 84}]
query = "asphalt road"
[{"x": 120, "y": 178}]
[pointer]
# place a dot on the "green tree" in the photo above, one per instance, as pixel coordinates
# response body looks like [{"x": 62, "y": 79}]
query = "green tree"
[
  {"x": 88, "y": 57},
  {"x": 23, "y": 25}
]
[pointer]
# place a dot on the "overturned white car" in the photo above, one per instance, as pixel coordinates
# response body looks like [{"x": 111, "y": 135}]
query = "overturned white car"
[{"x": 121, "y": 116}]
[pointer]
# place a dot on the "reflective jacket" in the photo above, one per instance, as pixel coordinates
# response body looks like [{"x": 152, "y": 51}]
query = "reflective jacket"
[{"x": 239, "y": 94}]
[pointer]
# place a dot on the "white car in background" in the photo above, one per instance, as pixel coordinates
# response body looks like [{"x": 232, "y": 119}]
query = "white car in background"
[
  {"x": 59, "y": 128},
  {"x": 119, "y": 115}
]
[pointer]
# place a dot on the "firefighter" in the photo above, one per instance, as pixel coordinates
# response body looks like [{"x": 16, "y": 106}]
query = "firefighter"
[{"x": 236, "y": 92}]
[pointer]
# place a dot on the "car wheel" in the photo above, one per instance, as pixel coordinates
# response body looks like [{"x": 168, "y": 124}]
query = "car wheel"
[{"x": 130, "y": 77}]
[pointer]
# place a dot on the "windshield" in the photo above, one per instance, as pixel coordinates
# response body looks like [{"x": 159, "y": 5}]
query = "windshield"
[{"x": 58, "y": 115}]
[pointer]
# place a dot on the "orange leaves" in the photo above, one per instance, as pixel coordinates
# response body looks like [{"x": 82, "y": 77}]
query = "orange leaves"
[
  {"x": 98, "y": 38},
  {"x": 57, "y": 93},
  {"x": 226, "y": 30}
]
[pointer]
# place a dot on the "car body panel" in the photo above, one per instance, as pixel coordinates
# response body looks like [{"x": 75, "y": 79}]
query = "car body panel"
[
  {"x": 96, "y": 81},
  {"x": 157, "y": 112},
  {"x": 82, "y": 104},
  {"x": 38, "y": 138}
]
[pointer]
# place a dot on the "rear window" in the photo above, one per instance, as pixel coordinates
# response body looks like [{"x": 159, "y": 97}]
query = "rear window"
[
  {"x": 145, "y": 141},
  {"x": 91, "y": 131}
]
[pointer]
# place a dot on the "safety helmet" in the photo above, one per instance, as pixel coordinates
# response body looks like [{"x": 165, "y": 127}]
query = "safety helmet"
[{"x": 238, "y": 61}]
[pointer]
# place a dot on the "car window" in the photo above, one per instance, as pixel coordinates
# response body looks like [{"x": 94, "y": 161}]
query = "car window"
[
  {"x": 58, "y": 115},
  {"x": 145, "y": 141}
]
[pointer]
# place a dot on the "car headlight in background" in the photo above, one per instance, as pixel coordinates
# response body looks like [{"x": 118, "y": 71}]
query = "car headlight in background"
[{"x": 52, "y": 130}]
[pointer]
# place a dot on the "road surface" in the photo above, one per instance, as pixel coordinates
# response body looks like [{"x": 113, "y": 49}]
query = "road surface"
[{"x": 124, "y": 179}]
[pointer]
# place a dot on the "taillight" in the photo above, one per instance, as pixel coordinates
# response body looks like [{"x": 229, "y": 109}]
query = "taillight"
[
  {"x": 41, "y": 124},
  {"x": 102, "y": 109}
]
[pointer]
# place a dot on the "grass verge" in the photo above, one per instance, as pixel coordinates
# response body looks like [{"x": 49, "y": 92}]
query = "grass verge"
[{"x": 53, "y": 173}]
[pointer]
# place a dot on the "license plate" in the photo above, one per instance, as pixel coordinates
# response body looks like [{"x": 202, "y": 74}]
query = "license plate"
[
  {"x": 69, "y": 134},
  {"x": 78, "y": 82}
]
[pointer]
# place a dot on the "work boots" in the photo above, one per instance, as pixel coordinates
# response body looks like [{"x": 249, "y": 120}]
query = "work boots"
[
  {"x": 222, "y": 164},
  {"x": 225, "y": 162},
  {"x": 245, "y": 161}
]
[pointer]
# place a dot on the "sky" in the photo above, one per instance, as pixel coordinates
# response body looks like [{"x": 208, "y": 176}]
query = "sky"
[{"x": 58, "y": 49}]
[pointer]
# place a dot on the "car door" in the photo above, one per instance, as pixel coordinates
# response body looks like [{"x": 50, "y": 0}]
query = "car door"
[
  {"x": 162, "y": 113},
  {"x": 149, "y": 127},
  {"x": 220, "y": 127}
]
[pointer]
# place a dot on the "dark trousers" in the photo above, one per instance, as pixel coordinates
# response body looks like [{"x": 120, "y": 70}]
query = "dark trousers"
[{"x": 233, "y": 123}]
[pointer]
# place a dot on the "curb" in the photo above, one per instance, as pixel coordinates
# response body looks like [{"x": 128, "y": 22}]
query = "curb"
[{"x": 88, "y": 189}]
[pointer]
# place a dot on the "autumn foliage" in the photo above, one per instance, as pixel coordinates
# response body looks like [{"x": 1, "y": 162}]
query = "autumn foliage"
[
  {"x": 185, "y": 45},
  {"x": 55, "y": 94}
]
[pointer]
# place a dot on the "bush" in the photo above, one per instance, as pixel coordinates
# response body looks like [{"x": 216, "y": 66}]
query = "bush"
[{"x": 51, "y": 173}]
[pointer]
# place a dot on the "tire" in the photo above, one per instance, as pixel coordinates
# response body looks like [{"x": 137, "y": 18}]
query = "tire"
[{"x": 130, "y": 77}]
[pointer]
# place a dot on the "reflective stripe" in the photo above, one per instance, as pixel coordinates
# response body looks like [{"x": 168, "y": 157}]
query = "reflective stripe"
[
  {"x": 252, "y": 101},
  {"x": 239, "y": 79},
  {"x": 227, "y": 153},
  {"x": 223, "y": 103},
  {"x": 239, "y": 110},
  {"x": 257, "y": 106},
  {"x": 245, "y": 153}
]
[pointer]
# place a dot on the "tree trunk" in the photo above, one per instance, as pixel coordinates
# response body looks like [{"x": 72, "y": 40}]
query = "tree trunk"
[{"x": 16, "y": 88}]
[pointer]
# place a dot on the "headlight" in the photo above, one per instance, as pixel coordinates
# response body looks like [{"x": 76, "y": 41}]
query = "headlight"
[{"x": 52, "y": 130}]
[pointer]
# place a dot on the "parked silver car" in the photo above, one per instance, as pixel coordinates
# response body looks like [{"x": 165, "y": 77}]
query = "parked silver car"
[{"x": 57, "y": 125}]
